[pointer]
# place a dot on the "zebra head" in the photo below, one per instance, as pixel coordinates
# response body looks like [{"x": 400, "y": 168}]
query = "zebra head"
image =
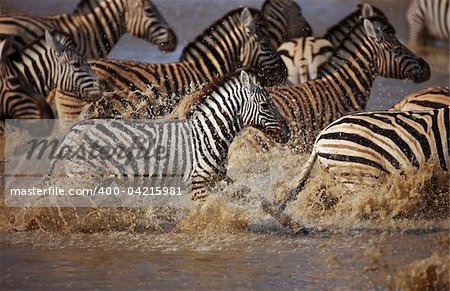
[
  {"x": 71, "y": 72},
  {"x": 258, "y": 53},
  {"x": 285, "y": 21},
  {"x": 144, "y": 20},
  {"x": 394, "y": 60},
  {"x": 259, "y": 111}
]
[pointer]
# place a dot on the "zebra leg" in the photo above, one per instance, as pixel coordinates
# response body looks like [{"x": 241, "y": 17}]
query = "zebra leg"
[{"x": 277, "y": 210}]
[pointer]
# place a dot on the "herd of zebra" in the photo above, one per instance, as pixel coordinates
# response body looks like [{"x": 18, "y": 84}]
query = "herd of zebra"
[{"x": 257, "y": 68}]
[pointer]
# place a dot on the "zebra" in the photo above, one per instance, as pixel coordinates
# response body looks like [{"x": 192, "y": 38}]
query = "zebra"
[
  {"x": 428, "y": 20},
  {"x": 426, "y": 99},
  {"x": 370, "y": 50},
  {"x": 304, "y": 55},
  {"x": 221, "y": 112},
  {"x": 98, "y": 30},
  {"x": 18, "y": 100},
  {"x": 285, "y": 21},
  {"x": 234, "y": 41},
  {"x": 48, "y": 63},
  {"x": 363, "y": 147},
  {"x": 338, "y": 32}
]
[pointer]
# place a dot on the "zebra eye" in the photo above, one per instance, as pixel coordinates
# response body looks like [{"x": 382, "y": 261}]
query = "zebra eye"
[{"x": 264, "y": 105}]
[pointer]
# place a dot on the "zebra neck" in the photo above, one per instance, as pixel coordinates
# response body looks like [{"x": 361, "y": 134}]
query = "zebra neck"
[
  {"x": 214, "y": 129},
  {"x": 39, "y": 67},
  {"x": 215, "y": 54},
  {"x": 355, "y": 73},
  {"x": 107, "y": 28}
]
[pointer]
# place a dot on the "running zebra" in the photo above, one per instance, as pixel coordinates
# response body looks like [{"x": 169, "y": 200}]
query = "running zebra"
[
  {"x": 363, "y": 147},
  {"x": 49, "y": 63},
  {"x": 370, "y": 50},
  {"x": 216, "y": 118},
  {"x": 426, "y": 99},
  {"x": 235, "y": 41},
  {"x": 285, "y": 21},
  {"x": 428, "y": 20},
  {"x": 98, "y": 30}
]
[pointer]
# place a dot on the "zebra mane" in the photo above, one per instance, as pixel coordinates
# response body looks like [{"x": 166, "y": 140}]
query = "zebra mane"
[
  {"x": 236, "y": 13},
  {"x": 335, "y": 58},
  {"x": 187, "y": 104},
  {"x": 64, "y": 39},
  {"x": 86, "y": 6},
  {"x": 355, "y": 16}
]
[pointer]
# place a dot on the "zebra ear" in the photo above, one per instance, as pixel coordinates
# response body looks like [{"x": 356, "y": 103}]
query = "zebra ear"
[
  {"x": 248, "y": 82},
  {"x": 6, "y": 47},
  {"x": 366, "y": 11},
  {"x": 247, "y": 20},
  {"x": 56, "y": 44},
  {"x": 370, "y": 29}
]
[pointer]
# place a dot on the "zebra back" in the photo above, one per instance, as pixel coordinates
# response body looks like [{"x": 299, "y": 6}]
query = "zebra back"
[
  {"x": 371, "y": 144},
  {"x": 428, "y": 19},
  {"x": 51, "y": 62},
  {"x": 97, "y": 32},
  {"x": 248, "y": 48},
  {"x": 285, "y": 21},
  {"x": 426, "y": 99}
]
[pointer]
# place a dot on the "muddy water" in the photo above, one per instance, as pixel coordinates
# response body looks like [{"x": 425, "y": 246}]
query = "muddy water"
[{"x": 395, "y": 235}]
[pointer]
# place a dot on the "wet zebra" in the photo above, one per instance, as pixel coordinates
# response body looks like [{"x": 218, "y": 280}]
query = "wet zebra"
[
  {"x": 304, "y": 55},
  {"x": 371, "y": 50},
  {"x": 96, "y": 32},
  {"x": 216, "y": 118},
  {"x": 234, "y": 41},
  {"x": 363, "y": 147},
  {"x": 426, "y": 99},
  {"x": 284, "y": 21},
  {"x": 49, "y": 63},
  {"x": 428, "y": 19}
]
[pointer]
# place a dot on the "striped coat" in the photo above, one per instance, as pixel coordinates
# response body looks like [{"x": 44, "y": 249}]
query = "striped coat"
[
  {"x": 371, "y": 50},
  {"x": 426, "y": 99},
  {"x": 97, "y": 31},
  {"x": 428, "y": 20},
  {"x": 223, "y": 110},
  {"x": 244, "y": 43}
]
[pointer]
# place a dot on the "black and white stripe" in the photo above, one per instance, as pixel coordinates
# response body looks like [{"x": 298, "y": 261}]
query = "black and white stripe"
[
  {"x": 17, "y": 99},
  {"x": 52, "y": 62},
  {"x": 304, "y": 55},
  {"x": 364, "y": 147},
  {"x": 233, "y": 42},
  {"x": 222, "y": 112},
  {"x": 97, "y": 29},
  {"x": 426, "y": 99},
  {"x": 48, "y": 63},
  {"x": 428, "y": 19},
  {"x": 371, "y": 50},
  {"x": 285, "y": 21}
]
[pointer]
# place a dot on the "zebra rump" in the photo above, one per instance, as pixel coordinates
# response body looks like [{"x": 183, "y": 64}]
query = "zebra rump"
[{"x": 426, "y": 99}]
